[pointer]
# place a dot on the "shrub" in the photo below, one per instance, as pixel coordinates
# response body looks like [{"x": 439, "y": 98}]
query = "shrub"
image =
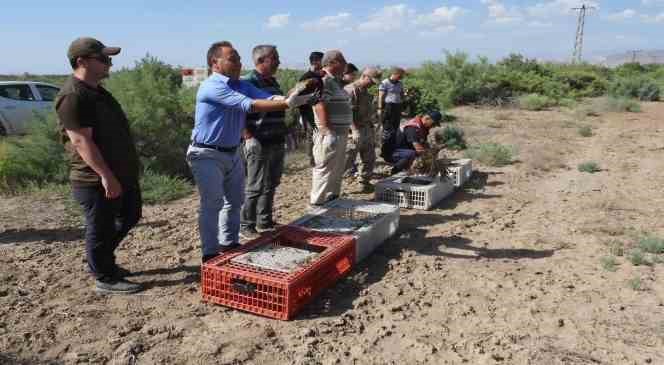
[
  {"x": 637, "y": 258},
  {"x": 451, "y": 137},
  {"x": 609, "y": 263},
  {"x": 610, "y": 104},
  {"x": 635, "y": 283},
  {"x": 34, "y": 159},
  {"x": 159, "y": 112},
  {"x": 158, "y": 188},
  {"x": 651, "y": 244},
  {"x": 589, "y": 167},
  {"x": 535, "y": 102},
  {"x": 639, "y": 87},
  {"x": 585, "y": 131},
  {"x": 491, "y": 154}
]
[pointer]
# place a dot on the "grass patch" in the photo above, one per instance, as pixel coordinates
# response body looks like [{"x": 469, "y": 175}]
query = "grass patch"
[
  {"x": 635, "y": 283},
  {"x": 638, "y": 258},
  {"x": 651, "y": 244},
  {"x": 536, "y": 102},
  {"x": 589, "y": 167},
  {"x": 157, "y": 188},
  {"x": 610, "y": 105},
  {"x": 585, "y": 131},
  {"x": 492, "y": 154},
  {"x": 609, "y": 263}
]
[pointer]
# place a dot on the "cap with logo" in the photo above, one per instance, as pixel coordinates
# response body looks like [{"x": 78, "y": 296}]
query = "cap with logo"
[{"x": 86, "y": 46}]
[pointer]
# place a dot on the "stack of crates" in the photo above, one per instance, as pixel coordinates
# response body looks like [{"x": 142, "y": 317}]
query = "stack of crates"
[
  {"x": 371, "y": 223},
  {"x": 276, "y": 275},
  {"x": 418, "y": 192}
]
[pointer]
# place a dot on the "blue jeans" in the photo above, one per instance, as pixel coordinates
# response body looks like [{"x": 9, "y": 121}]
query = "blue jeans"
[
  {"x": 402, "y": 159},
  {"x": 219, "y": 177}
]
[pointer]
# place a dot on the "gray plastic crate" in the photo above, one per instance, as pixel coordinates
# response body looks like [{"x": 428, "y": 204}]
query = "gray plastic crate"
[
  {"x": 419, "y": 192},
  {"x": 371, "y": 223},
  {"x": 460, "y": 171}
]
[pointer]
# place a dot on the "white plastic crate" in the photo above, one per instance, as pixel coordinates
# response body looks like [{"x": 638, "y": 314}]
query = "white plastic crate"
[
  {"x": 419, "y": 192},
  {"x": 460, "y": 171},
  {"x": 371, "y": 223}
]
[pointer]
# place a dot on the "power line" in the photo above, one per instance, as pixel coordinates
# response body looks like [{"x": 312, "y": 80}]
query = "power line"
[{"x": 578, "y": 42}]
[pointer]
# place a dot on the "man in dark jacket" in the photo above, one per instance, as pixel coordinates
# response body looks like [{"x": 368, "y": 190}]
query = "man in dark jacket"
[{"x": 306, "y": 112}]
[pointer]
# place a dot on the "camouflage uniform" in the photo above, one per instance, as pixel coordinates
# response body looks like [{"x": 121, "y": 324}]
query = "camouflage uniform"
[{"x": 363, "y": 140}]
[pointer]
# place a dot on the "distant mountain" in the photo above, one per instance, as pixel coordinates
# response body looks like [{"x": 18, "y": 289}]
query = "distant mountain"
[{"x": 643, "y": 57}]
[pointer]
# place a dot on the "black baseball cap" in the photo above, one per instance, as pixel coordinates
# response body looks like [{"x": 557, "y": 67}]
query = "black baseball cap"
[
  {"x": 315, "y": 56},
  {"x": 86, "y": 46},
  {"x": 436, "y": 116}
]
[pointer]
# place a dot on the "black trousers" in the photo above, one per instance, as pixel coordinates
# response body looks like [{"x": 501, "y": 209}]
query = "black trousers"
[
  {"x": 391, "y": 117},
  {"x": 107, "y": 222},
  {"x": 265, "y": 165}
]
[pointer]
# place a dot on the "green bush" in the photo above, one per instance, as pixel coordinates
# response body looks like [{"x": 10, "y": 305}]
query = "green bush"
[
  {"x": 609, "y": 263},
  {"x": 451, "y": 137},
  {"x": 535, "y": 102},
  {"x": 652, "y": 244},
  {"x": 159, "y": 112},
  {"x": 157, "y": 188},
  {"x": 638, "y": 258},
  {"x": 491, "y": 154},
  {"x": 638, "y": 87},
  {"x": 589, "y": 167},
  {"x": 34, "y": 159}
]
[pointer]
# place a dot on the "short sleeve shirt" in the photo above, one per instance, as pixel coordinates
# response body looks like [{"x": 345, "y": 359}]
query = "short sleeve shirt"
[
  {"x": 392, "y": 90},
  {"x": 337, "y": 103},
  {"x": 79, "y": 105}
]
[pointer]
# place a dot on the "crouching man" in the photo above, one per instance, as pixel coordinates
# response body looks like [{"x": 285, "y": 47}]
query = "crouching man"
[{"x": 410, "y": 141}]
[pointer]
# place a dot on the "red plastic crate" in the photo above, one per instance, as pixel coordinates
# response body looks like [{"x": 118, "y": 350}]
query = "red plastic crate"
[{"x": 273, "y": 293}]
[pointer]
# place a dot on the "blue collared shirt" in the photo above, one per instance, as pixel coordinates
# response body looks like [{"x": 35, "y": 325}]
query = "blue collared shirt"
[{"x": 221, "y": 109}]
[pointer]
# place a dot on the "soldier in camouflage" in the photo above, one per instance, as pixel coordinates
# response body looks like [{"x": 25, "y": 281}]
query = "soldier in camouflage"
[{"x": 363, "y": 137}]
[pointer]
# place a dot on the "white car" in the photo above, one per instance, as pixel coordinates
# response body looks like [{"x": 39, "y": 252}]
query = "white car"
[{"x": 19, "y": 100}]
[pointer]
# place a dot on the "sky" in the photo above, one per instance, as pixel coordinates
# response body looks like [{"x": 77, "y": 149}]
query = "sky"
[{"x": 34, "y": 35}]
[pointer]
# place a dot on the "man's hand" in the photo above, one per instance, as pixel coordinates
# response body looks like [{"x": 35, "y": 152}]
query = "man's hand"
[
  {"x": 295, "y": 100},
  {"x": 111, "y": 186}
]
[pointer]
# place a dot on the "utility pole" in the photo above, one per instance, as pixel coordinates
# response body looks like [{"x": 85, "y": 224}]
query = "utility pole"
[{"x": 578, "y": 42}]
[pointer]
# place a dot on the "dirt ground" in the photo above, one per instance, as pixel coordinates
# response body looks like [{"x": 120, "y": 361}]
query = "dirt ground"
[{"x": 507, "y": 271}]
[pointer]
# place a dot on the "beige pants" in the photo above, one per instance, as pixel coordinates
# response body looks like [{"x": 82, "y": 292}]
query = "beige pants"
[
  {"x": 329, "y": 162},
  {"x": 362, "y": 142}
]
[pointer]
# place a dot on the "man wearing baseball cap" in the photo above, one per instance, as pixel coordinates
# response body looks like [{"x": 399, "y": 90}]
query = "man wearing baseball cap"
[
  {"x": 363, "y": 137},
  {"x": 411, "y": 141},
  {"x": 104, "y": 165}
]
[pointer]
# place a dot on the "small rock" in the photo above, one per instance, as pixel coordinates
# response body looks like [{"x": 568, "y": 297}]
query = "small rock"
[{"x": 561, "y": 322}]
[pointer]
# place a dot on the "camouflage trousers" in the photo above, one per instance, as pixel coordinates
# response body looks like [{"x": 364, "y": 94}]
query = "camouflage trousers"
[{"x": 362, "y": 142}]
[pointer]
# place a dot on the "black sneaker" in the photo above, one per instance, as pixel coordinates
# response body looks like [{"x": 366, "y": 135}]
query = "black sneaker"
[
  {"x": 121, "y": 272},
  {"x": 118, "y": 286},
  {"x": 230, "y": 247}
]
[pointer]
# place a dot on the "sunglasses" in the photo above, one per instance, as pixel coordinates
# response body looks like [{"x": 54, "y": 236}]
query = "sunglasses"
[{"x": 103, "y": 59}]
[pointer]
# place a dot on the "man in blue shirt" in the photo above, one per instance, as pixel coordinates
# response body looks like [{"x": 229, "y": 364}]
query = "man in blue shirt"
[{"x": 222, "y": 103}]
